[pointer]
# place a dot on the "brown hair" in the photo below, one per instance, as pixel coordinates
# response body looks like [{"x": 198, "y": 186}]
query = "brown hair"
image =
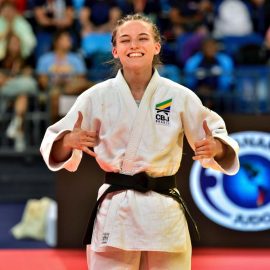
[{"x": 137, "y": 17}]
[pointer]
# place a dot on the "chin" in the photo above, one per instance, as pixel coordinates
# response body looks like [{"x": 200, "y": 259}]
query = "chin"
[{"x": 136, "y": 66}]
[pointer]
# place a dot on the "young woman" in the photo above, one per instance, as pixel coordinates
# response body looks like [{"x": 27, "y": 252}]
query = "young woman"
[{"x": 136, "y": 123}]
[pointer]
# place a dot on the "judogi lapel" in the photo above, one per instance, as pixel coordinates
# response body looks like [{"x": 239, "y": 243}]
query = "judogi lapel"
[{"x": 137, "y": 126}]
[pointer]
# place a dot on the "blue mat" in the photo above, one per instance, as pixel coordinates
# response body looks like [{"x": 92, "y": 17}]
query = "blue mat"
[{"x": 10, "y": 215}]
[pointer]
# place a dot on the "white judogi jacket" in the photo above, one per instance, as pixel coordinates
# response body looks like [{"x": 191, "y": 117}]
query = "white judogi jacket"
[{"x": 134, "y": 139}]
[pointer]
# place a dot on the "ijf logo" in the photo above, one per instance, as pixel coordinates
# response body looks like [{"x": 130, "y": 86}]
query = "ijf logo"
[
  {"x": 239, "y": 202},
  {"x": 163, "y": 112}
]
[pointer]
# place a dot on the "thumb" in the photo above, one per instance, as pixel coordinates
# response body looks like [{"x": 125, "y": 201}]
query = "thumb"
[
  {"x": 207, "y": 131},
  {"x": 78, "y": 123}
]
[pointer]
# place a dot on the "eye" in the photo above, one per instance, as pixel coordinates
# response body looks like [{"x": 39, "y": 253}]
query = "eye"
[
  {"x": 143, "y": 38},
  {"x": 124, "y": 40}
]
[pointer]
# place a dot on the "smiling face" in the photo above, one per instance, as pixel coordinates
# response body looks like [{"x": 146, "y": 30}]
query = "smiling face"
[{"x": 135, "y": 45}]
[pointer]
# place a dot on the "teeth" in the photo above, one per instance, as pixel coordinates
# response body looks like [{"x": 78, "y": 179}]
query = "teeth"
[{"x": 135, "y": 54}]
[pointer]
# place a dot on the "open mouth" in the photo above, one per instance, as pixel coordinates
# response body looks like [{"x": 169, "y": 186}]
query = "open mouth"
[{"x": 135, "y": 54}]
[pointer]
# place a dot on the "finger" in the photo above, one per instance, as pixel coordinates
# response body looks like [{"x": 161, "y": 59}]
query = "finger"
[
  {"x": 87, "y": 134},
  {"x": 199, "y": 157},
  {"x": 89, "y": 139},
  {"x": 206, "y": 153},
  {"x": 201, "y": 143},
  {"x": 78, "y": 123},
  {"x": 207, "y": 131},
  {"x": 89, "y": 152},
  {"x": 196, "y": 158},
  {"x": 204, "y": 147},
  {"x": 89, "y": 144},
  {"x": 85, "y": 137},
  {"x": 91, "y": 133}
]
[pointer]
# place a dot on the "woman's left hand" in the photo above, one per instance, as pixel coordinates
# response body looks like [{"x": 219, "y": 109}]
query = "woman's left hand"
[{"x": 209, "y": 147}]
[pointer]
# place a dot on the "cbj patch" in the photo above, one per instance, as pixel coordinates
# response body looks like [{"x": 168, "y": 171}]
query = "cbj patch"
[{"x": 163, "y": 110}]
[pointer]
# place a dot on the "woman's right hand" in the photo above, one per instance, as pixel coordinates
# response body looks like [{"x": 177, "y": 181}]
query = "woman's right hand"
[{"x": 81, "y": 139}]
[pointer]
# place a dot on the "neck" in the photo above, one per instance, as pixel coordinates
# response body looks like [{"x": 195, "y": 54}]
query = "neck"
[
  {"x": 137, "y": 81},
  {"x": 60, "y": 53}
]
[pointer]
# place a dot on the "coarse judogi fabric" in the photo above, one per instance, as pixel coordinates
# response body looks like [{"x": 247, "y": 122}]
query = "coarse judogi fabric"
[{"x": 134, "y": 139}]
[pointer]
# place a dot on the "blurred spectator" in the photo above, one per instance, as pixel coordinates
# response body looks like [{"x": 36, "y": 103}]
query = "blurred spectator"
[
  {"x": 233, "y": 27},
  {"x": 188, "y": 16},
  {"x": 187, "y": 45},
  {"x": 265, "y": 49},
  {"x": 253, "y": 52},
  {"x": 97, "y": 19},
  {"x": 235, "y": 45},
  {"x": 20, "y": 5},
  {"x": 51, "y": 16},
  {"x": 17, "y": 84},
  {"x": 99, "y": 16},
  {"x": 11, "y": 21},
  {"x": 253, "y": 82},
  {"x": 190, "y": 21},
  {"x": 61, "y": 71},
  {"x": 232, "y": 19},
  {"x": 260, "y": 15},
  {"x": 209, "y": 71},
  {"x": 150, "y": 8}
]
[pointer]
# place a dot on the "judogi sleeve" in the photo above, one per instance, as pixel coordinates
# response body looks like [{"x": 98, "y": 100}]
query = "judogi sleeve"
[
  {"x": 60, "y": 128},
  {"x": 193, "y": 116}
]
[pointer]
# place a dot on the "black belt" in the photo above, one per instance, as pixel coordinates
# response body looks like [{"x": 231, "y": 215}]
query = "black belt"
[{"x": 140, "y": 182}]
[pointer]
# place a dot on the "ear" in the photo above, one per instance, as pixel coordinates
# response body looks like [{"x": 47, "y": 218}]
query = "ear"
[
  {"x": 114, "y": 52},
  {"x": 157, "y": 48}
]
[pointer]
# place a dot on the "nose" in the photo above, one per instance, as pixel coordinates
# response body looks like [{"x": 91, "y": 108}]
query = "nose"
[{"x": 134, "y": 44}]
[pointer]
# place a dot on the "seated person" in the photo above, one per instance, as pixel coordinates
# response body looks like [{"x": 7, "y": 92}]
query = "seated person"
[
  {"x": 232, "y": 19},
  {"x": 17, "y": 84},
  {"x": 12, "y": 22},
  {"x": 99, "y": 16},
  {"x": 189, "y": 16},
  {"x": 260, "y": 15},
  {"x": 265, "y": 48},
  {"x": 190, "y": 22},
  {"x": 61, "y": 71},
  {"x": 150, "y": 8},
  {"x": 209, "y": 71},
  {"x": 51, "y": 16}
]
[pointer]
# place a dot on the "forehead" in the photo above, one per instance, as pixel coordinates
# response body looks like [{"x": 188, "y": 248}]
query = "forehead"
[
  {"x": 8, "y": 9},
  {"x": 63, "y": 36},
  {"x": 134, "y": 28}
]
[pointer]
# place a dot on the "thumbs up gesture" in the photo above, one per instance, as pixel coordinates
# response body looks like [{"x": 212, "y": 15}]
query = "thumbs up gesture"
[
  {"x": 81, "y": 139},
  {"x": 208, "y": 147}
]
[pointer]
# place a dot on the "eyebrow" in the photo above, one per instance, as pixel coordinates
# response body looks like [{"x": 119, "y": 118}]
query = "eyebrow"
[{"x": 126, "y": 35}]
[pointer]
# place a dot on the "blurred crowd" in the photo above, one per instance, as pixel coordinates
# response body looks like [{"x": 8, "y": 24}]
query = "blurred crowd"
[{"x": 55, "y": 48}]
